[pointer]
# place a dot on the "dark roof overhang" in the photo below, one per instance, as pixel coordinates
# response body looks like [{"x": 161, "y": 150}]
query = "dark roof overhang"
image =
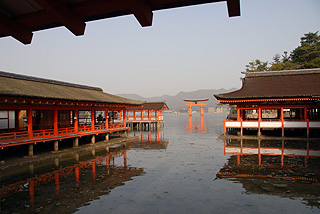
[{"x": 20, "y": 18}]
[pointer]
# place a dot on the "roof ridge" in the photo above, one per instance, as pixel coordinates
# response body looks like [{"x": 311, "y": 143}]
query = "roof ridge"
[
  {"x": 42, "y": 80},
  {"x": 282, "y": 72}
]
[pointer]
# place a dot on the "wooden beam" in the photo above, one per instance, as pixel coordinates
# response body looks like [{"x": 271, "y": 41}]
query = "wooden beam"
[
  {"x": 233, "y": 7},
  {"x": 142, "y": 11},
  {"x": 12, "y": 28},
  {"x": 64, "y": 15}
]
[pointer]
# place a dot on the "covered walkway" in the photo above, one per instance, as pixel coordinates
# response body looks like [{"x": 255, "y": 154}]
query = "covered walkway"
[{"x": 37, "y": 110}]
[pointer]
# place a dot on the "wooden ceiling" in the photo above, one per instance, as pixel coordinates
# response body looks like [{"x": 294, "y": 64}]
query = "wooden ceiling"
[{"x": 20, "y": 18}]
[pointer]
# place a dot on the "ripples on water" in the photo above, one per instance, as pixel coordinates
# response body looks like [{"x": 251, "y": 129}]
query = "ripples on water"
[{"x": 183, "y": 168}]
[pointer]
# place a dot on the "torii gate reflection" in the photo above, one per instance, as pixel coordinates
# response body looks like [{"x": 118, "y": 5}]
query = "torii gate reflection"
[{"x": 197, "y": 102}]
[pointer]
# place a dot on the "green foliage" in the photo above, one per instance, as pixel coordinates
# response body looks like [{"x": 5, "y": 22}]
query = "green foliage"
[
  {"x": 307, "y": 55},
  {"x": 257, "y": 65}
]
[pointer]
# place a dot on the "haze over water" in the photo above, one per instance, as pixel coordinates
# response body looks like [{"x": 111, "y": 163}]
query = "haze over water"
[{"x": 184, "y": 168}]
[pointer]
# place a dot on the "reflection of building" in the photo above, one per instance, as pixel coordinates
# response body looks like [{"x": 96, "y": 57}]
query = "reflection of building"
[
  {"x": 37, "y": 110},
  {"x": 146, "y": 116},
  {"x": 69, "y": 186},
  {"x": 280, "y": 100},
  {"x": 283, "y": 168},
  {"x": 149, "y": 140}
]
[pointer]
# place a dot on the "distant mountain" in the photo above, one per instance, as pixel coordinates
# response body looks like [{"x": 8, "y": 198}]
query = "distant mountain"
[{"x": 176, "y": 102}]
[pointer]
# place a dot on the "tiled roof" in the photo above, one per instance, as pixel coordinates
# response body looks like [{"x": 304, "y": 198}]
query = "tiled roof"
[
  {"x": 277, "y": 85},
  {"x": 151, "y": 106},
  {"x": 13, "y": 85}
]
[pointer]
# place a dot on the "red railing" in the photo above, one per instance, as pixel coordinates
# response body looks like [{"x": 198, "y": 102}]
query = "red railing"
[
  {"x": 82, "y": 129},
  {"x": 116, "y": 125},
  {"x": 64, "y": 131},
  {"x": 47, "y": 133},
  {"x": 100, "y": 127},
  {"x": 138, "y": 118},
  {"x": 43, "y": 133},
  {"x": 13, "y": 136}
]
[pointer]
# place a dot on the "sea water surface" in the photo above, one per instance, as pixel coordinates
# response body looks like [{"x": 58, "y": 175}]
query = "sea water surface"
[{"x": 182, "y": 168}]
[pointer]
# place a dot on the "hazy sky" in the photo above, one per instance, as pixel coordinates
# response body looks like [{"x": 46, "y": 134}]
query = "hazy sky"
[{"x": 186, "y": 49}]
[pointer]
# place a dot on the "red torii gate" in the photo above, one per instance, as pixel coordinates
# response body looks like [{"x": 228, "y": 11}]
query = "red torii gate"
[{"x": 196, "y": 102}]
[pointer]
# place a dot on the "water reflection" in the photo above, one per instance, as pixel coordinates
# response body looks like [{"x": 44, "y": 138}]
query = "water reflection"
[
  {"x": 284, "y": 168},
  {"x": 196, "y": 124},
  {"x": 65, "y": 188},
  {"x": 149, "y": 139}
]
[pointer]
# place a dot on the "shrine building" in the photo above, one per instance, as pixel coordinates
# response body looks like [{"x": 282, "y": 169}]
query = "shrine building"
[
  {"x": 148, "y": 116},
  {"x": 280, "y": 101},
  {"x": 36, "y": 110}
]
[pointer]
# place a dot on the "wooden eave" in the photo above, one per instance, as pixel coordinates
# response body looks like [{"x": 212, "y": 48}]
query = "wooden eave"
[
  {"x": 20, "y": 18},
  {"x": 235, "y": 101},
  {"x": 21, "y": 102}
]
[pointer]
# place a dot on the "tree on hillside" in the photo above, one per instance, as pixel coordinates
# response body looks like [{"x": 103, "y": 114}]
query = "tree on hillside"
[
  {"x": 282, "y": 62},
  {"x": 307, "y": 55},
  {"x": 257, "y": 65}
]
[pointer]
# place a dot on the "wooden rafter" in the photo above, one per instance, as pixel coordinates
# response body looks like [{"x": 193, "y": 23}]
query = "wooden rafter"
[
  {"x": 14, "y": 29},
  {"x": 142, "y": 12},
  {"x": 233, "y": 7},
  {"x": 65, "y": 16}
]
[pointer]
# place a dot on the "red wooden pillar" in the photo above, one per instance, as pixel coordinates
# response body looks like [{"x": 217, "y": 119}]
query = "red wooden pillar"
[
  {"x": 306, "y": 119},
  {"x": 30, "y": 128},
  {"x": 107, "y": 119},
  {"x": 282, "y": 122},
  {"x": 259, "y": 121},
  {"x": 124, "y": 117},
  {"x": 201, "y": 109},
  {"x": 238, "y": 114},
  {"x": 76, "y": 120},
  {"x": 163, "y": 114},
  {"x": 259, "y": 149},
  {"x": 127, "y": 115},
  {"x": 55, "y": 121},
  {"x": 141, "y": 115},
  {"x": 134, "y": 115},
  {"x": 92, "y": 120},
  {"x": 149, "y": 114}
]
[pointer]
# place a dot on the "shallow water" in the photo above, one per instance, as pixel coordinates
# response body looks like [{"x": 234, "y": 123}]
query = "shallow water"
[{"x": 184, "y": 168}]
